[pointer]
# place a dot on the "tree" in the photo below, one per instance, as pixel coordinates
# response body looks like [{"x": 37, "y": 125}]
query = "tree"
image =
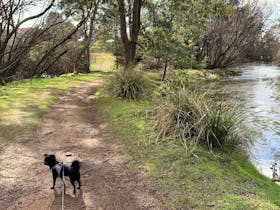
[
  {"x": 15, "y": 42},
  {"x": 80, "y": 9},
  {"x": 230, "y": 29},
  {"x": 130, "y": 12},
  {"x": 29, "y": 52},
  {"x": 57, "y": 45},
  {"x": 60, "y": 59},
  {"x": 172, "y": 32}
]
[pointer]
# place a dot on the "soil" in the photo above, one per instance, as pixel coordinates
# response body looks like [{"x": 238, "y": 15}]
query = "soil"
[
  {"x": 72, "y": 127},
  {"x": 104, "y": 66}
]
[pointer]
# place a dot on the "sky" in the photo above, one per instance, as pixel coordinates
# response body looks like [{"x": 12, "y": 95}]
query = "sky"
[
  {"x": 34, "y": 10},
  {"x": 271, "y": 8}
]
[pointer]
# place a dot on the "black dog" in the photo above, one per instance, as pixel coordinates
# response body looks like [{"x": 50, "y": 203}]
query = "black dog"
[{"x": 59, "y": 169}]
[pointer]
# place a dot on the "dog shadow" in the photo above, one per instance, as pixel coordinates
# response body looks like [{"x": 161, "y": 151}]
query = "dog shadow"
[{"x": 71, "y": 202}]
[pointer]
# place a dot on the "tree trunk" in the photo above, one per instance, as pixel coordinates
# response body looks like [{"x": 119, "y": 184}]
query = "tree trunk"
[
  {"x": 88, "y": 59},
  {"x": 164, "y": 70},
  {"x": 130, "y": 44},
  {"x": 84, "y": 55}
]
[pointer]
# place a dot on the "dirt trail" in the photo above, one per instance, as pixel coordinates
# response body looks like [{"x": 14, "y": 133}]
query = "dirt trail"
[
  {"x": 72, "y": 127},
  {"x": 104, "y": 66}
]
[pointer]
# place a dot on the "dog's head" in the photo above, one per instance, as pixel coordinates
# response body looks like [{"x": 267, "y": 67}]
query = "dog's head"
[{"x": 49, "y": 160}]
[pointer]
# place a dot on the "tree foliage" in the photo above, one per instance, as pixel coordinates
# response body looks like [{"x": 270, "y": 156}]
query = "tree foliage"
[
  {"x": 201, "y": 33},
  {"x": 88, "y": 10},
  {"x": 172, "y": 31},
  {"x": 180, "y": 34}
]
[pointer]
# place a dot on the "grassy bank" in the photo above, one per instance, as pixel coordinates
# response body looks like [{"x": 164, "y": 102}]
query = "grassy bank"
[
  {"x": 183, "y": 181},
  {"x": 23, "y": 103},
  {"x": 192, "y": 74}
]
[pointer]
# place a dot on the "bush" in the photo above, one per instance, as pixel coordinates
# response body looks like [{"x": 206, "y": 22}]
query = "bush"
[
  {"x": 128, "y": 84},
  {"x": 175, "y": 112},
  {"x": 181, "y": 113},
  {"x": 222, "y": 125}
]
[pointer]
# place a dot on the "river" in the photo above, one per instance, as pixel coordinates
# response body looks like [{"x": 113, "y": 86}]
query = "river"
[{"x": 258, "y": 87}]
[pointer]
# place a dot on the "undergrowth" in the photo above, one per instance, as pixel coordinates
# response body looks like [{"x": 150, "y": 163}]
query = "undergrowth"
[
  {"x": 181, "y": 112},
  {"x": 183, "y": 181},
  {"x": 128, "y": 84}
]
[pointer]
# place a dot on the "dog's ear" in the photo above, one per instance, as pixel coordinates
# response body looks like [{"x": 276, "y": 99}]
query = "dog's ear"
[{"x": 52, "y": 156}]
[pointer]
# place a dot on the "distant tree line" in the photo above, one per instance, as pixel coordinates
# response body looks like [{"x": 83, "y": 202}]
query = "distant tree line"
[
  {"x": 209, "y": 34},
  {"x": 161, "y": 33}
]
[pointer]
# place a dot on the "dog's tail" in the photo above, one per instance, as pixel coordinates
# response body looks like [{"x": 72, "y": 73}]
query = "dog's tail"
[{"x": 76, "y": 165}]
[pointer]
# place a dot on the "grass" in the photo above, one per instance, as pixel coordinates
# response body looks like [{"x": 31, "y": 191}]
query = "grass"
[
  {"x": 23, "y": 103},
  {"x": 182, "y": 181},
  {"x": 179, "y": 180},
  {"x": 102, "y": 61},
  {"x": 178, "y": 112},
  {"x": 129, "y": 84},
  {"x": 193, "y": 75}
]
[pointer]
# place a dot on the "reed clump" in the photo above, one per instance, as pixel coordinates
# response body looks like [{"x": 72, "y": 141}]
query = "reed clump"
[{"x": 180, "y": 112}]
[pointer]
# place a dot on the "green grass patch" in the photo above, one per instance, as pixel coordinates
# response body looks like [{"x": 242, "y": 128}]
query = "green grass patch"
[
  {"x": 23, "y": 103},
  {"x": 184, "y": 181}
]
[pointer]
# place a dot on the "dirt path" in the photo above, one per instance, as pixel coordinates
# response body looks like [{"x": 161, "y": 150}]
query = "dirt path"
[
  {"x": 106, "y": 66},
  {"x": 72, "y": 127}
]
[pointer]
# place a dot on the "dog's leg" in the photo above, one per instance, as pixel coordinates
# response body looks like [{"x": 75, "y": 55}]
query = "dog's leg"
[
  {"x": 74, "y": 187},
  {"x": 54, "y": 180},
  {"x": 79, "y": 181}
]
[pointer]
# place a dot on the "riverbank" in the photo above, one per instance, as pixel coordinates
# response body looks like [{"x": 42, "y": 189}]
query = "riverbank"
[
  {"x": 179, "y": 180},
  {"x": 183, "y": 181},
  {"x": 194, "y": 75}
]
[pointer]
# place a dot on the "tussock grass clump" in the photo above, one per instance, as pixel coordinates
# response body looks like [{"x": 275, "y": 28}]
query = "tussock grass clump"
[
  {"x": 128, "y": 84},
  {"x": 175, "y": 112},
  {"x": 181, "y": 113},
  {"x": 222, "y": 125}
]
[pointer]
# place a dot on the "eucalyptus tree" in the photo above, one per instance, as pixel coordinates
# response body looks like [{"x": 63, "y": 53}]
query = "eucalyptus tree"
[
  {"x": 202, "y": 33},
  {"x": 79, "y": 10},
  {"x": 173, "y": 30},
  {"x": 130, "y": 23}
]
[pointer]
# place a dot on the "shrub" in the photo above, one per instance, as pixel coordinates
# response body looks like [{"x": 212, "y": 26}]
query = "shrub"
[
  {"x": 175, "y": 112},
  {"x": 222, "y": 125},
  {"x": 128, "y": 84},
  {"x": 189, "y": 115}
]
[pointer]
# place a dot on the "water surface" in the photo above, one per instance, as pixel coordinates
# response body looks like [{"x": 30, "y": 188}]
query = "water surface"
[{"x": 259, "y": 88}]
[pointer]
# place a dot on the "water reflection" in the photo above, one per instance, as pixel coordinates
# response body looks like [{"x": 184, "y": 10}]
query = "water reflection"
[{"x": 258, "y": 87}]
